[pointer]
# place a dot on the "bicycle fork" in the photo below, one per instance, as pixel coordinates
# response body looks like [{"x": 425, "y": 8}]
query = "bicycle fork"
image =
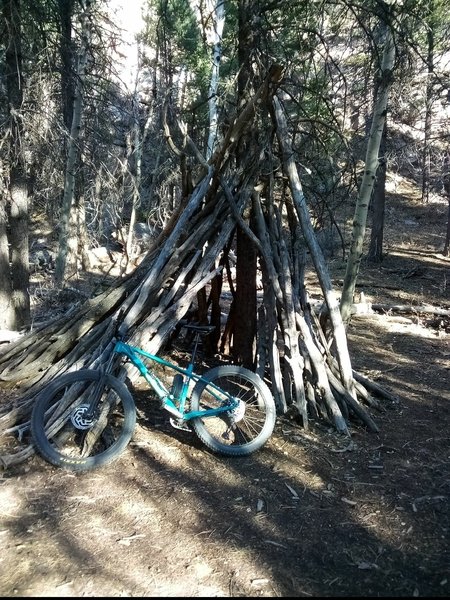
[{"x": 85, "y": 417}]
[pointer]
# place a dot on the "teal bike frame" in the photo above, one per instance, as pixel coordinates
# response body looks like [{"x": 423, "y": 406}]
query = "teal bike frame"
[{"x": 168, "y": 401}]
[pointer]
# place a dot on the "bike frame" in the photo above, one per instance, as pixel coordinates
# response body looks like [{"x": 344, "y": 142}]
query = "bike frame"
[{"x": 168, "y": 401}]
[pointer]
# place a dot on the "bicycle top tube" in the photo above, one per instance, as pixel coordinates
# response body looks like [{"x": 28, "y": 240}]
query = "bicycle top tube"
[{"x": 133, "y": 353}]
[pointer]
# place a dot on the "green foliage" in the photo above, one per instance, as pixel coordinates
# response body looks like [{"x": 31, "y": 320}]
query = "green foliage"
[
  {"x": 182, "y": 28},
  {"x": 330, "y": 51}
]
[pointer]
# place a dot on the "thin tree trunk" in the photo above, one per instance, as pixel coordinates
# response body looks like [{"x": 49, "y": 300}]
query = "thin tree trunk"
[
  {"x": 368, "y": 180},
  {"x": 17, "y": 306},
  {"x": 446, "y": 182},
  {"x": 137, "y": 145},
  {"x": 72, "y": 154},
  {"x": 211, "y": 17},
  {"x": 66, "y": 53},
  {"x": 7, "y": 312},
  {"x": 426, "y": 155},
  {"x": 18, "y": 222},
  {"x": 375, "y": 253}
]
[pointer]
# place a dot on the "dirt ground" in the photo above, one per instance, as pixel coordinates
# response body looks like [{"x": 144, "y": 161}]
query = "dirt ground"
[{"x": 311, "y": 514}]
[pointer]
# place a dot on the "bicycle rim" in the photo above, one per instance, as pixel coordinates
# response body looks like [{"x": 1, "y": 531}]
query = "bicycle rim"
[
  {"x": 246, "y": 428},
  {"x": 67, "y": 436}
]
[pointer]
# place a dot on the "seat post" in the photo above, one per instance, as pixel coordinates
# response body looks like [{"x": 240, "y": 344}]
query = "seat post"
[{"x": 194, "y": 351}]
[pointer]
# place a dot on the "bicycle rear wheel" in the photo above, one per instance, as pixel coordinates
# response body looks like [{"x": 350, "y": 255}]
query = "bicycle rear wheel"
[
  {"x": 62, "y": 433},
  {"x": 240, "y": 431}
]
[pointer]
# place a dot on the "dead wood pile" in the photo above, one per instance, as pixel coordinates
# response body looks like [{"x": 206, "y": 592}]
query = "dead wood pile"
[{"x": 308, "y": 371}]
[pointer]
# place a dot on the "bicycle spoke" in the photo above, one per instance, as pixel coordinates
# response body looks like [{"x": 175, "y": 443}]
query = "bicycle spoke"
[
  {"x": 71, "y": 433},
  {"x": 248, "y": 423}
]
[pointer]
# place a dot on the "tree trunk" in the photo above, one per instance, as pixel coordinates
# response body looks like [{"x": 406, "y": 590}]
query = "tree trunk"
[
  {"x": 426, "y": 152},
  {"x": 368, "y": 180},
  {"x": 7, "y": 312},
  {"x": 17, "y": 303},
  {"x": 18, "y": 222},
  {"x": 136, "y": 144},
  {"x": 67, "y": 256},
  {"x": 211, "y": 18},
  {"x": 375, "y": 253},
  {"x": 243, "y": 329},
  {"x": 446, "y": 182},
  {"x": 66, "y": 52}
]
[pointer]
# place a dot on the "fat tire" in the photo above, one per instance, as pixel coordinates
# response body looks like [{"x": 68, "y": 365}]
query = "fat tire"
[
  {"x": 265, "y": 397},
  {"x": 48, "y": 451}
]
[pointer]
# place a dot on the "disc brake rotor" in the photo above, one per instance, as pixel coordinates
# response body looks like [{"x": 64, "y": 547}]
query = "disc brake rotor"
[{"x": 78, "y": 417}]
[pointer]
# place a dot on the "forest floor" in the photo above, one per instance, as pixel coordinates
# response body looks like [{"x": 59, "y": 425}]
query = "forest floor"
[{"x": 313, "y": 513}]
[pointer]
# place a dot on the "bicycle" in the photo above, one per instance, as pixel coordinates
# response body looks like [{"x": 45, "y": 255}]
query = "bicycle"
[{"x": 85, "y": 419}]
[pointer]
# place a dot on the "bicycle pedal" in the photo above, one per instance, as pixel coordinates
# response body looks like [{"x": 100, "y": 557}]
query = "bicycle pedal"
[{"x": 179, "y": 424}]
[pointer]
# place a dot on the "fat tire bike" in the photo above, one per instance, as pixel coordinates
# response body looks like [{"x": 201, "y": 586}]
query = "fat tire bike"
[{"x": 85, "y": 419}]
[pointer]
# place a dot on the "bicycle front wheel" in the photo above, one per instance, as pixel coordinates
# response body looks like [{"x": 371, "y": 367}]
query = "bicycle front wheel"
[
  {"x": 244, "y": 429},
  {"x": 64, "y": 433}
]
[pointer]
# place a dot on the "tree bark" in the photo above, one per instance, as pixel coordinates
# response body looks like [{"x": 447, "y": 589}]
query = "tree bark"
[
  {"x": 67, "y": 251},
  {"x": 7, "y": 312},
  {"x": 368, "y": 180},
  {"x": 446, "y": 182},
  {"x": 66, "y": 52},
  {"x": 244, "y": 309},
  {"x": 426, "y": 151},
  {"x": 211, "y": 18},
  {"x": 375, "y": 253},
  {"x": 15, "y": 304}
]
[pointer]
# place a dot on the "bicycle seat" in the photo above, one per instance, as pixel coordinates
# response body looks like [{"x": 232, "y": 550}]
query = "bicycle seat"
[{"x": 202, "y": 329}]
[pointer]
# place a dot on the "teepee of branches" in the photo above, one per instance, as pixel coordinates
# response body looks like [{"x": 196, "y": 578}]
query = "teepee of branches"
[{"x": 306, "y": 370}]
